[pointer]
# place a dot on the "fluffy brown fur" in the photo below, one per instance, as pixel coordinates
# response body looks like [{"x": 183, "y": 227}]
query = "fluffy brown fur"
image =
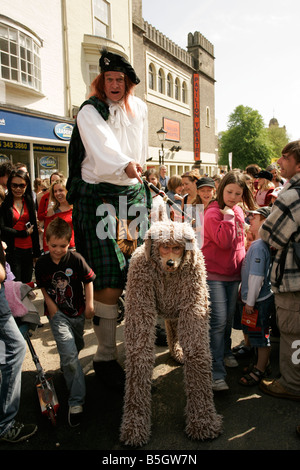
[{"x": 181, "y": 297}]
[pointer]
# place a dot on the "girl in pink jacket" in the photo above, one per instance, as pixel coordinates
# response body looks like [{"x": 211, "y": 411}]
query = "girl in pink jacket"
[{"x": 224, "y": 252}]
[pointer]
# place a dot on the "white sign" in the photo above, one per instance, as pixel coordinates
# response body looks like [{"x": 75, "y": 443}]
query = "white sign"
[{"x": 230, "y": 160}]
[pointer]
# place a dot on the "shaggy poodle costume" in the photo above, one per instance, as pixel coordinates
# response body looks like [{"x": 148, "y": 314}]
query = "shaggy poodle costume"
[{"x": 181, "y": 297}]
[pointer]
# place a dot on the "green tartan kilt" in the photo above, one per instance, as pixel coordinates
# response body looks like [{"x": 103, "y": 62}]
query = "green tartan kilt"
[{"x": 103, "y": 255}]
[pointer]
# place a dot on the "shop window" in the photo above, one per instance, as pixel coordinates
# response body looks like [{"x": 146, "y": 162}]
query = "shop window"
[
  {"x": 101, "y": 18},
  {"x": 20, "y": 57}
]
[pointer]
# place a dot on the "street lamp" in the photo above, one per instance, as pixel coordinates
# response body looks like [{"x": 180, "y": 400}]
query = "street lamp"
[{"x": 161, "y": 136}]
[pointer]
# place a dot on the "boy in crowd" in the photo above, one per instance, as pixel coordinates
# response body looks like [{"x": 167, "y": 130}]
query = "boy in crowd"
[
  {"x": 60, "y": 275},
  {"x": 257, "y": 295}
]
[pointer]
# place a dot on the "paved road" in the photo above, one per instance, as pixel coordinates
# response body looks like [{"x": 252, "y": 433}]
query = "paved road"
[{"x": 252, "y": 420}]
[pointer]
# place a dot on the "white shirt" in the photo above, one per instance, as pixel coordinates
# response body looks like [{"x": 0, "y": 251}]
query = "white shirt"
[{"x": 110, "y": 145}]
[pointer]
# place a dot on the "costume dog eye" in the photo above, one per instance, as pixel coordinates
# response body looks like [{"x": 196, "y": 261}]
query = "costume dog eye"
[{"x": 164, "y": 249}]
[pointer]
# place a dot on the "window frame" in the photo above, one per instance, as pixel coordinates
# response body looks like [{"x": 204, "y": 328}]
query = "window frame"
[
  {"x": 20, "y": 61},
  {"x": 151, "y": 77},
  {"x": 102, "y": 23},
  {"x": 169, "y": 85},
  {"x": 161, "y": 81},
  {"x": 168, "y": 73}
]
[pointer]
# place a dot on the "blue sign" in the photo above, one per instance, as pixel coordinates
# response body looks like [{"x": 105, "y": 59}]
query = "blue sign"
[
  {"x": 63, "y": 131},
  {"x": 48, "y": 162},
  {"x": 27, "y": 125}
]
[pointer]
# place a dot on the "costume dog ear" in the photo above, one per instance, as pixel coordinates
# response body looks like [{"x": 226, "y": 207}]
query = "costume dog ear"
[
  {"x": 148, "y": 244},
  {"x": 151, "y": 234}
]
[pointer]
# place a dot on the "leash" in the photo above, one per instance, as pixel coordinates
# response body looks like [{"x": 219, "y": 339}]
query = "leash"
[{"x": 169, "y": 201}]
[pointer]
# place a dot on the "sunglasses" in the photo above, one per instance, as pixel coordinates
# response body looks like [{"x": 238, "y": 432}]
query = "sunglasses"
[{"x": 15, "y": 186}]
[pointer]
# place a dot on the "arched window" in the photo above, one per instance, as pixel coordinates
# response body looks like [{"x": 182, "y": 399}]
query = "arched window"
[
  {"x": 160, "y": 82},
  {"x": 177, "y": 89},
  {"x": 169, "y": 85},
  {"x": 184, "y": 92},
  {"x": 151, "y": 77}
]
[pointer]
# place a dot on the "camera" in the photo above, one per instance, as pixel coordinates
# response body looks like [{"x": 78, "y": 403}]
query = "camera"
[{"x": 28, "y": 225}]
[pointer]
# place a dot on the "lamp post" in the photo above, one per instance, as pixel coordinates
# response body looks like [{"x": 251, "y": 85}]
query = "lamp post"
[{"x": 161, "y": 136}]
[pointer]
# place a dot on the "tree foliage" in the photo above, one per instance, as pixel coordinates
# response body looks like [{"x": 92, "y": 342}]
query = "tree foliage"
[
  {"x": 278, "y": 137},
  {"x": 247, "y": 139}
]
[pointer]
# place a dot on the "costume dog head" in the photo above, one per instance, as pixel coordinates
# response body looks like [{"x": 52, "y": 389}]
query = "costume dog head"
[{"x": 170, "y": 244}]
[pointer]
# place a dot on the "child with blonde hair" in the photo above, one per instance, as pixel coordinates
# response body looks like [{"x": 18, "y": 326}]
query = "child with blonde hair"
[{"x": 264, "y": 188}]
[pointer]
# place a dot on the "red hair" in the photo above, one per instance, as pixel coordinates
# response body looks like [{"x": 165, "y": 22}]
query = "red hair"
[{"x": 97, "y": 89}]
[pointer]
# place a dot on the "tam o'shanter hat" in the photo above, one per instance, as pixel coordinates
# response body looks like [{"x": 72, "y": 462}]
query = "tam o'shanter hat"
[
  {"x": 110, "y": 62},
  {"x": 264, "y": 174}
]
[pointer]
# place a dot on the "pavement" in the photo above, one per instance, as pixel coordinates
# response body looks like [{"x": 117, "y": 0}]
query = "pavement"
[{"x": 252, "y": 420}]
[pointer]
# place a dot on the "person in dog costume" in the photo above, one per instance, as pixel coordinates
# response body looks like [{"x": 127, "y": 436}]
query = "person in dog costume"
[
  {"x": 167, "y": 277},
  {"x": 108, "y": 149}
]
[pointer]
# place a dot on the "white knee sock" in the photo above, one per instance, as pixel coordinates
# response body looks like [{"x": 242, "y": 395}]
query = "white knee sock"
[{"x": 105, "y": 331}]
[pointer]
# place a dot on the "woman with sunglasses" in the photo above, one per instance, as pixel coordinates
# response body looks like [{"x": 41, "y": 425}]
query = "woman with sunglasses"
[{"x": 19, "y": 226}]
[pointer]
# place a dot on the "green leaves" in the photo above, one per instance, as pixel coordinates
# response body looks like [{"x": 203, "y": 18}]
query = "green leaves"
[{"x": 247, "y": 139}]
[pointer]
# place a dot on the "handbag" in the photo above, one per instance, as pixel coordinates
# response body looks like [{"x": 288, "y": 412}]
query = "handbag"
[
  {"x": 126, "y": 241},
  {"x": 249, "y": 319}
]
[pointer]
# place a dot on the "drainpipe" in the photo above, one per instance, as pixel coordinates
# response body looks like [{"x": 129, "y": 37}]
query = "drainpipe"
[{"x": 66, "y": 59}]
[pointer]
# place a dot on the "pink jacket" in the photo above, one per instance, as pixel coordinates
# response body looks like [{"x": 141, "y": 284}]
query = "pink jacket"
[{"x": 224, "y": 243}]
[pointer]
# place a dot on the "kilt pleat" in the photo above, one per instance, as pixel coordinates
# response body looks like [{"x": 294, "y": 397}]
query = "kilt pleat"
[{"x": 103, "y": 253}]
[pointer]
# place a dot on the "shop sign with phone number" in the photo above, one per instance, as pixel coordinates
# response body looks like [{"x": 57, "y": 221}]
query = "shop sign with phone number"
[{"x": 10, "y": 145}]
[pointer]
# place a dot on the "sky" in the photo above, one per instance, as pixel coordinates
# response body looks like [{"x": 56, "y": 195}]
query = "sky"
[{"x": 256, "y": 48}]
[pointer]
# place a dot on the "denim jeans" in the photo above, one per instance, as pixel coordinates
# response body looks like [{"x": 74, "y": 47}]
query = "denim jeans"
[
  {"x": 223, "y": 299},
  {"x": 68, "y": 334},
  {"x": 12, "y": 354}
]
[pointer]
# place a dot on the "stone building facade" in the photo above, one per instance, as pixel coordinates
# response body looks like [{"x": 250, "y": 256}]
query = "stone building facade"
[
  {"x": 178, "y": 87},
  {"x": 49, "y": 56}
]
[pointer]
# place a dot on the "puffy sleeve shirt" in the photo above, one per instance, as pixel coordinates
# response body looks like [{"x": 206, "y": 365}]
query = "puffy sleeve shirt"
[{"x": 110, "y": 145}]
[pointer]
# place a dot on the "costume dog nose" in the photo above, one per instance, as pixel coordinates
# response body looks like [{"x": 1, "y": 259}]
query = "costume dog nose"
[{"x": 170, "y": 263}]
